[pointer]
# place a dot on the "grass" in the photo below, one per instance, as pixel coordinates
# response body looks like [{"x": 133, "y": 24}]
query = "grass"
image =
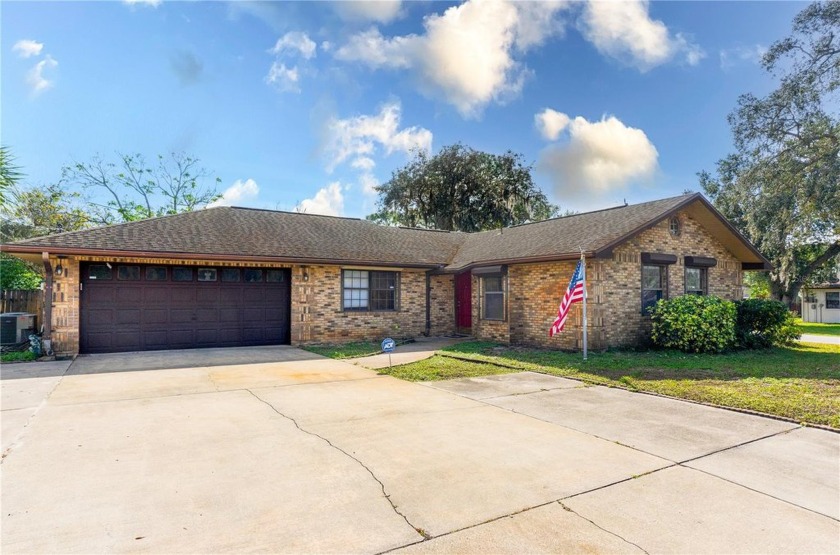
[
  {"x": 801, "y": 382},
  {"x": 18, "y": 356},
  {"x": 347, "y": 350},
  {"x": 817, "y": 329}
]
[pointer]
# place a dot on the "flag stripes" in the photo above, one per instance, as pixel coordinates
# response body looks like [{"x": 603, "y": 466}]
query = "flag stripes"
[{"x": 574, "y": 294}]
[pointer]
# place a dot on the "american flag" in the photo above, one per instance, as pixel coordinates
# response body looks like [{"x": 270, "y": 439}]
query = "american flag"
[{"x": 574, "y": 294}]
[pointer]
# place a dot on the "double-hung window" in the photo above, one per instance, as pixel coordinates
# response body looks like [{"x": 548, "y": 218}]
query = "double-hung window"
[
  {"x": 367, "y": 290},
  {"x": 696, "y": 281},
  {"x": 493, "y": 297},
  {"x": 654, "y": 285},
  {"x": 832, "y": 299}
]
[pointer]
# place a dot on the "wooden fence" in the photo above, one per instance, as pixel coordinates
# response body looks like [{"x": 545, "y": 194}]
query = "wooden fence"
[{"x": 12, "y": 300}]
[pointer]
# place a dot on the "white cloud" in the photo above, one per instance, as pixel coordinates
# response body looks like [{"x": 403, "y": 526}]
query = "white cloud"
[
  {"x": 26, "y": 48},
  {"x": 380, "y": 11},
  {"x": 732, "y": 57},
  {"x": 152, "y": 3},
  {"x": 369, "y": 183},
  {"x": 328, "y": 201},
  {"x": 238, "y": 192},
  {"x": 550, "y": 123},
  {"x": 467, "y": 54},
  {"x": 363, "y": 163},
  {"x": 286, "y": 79},
  {"x": 360, "y": 137},
  {"x": 295, "y": 42},
  {"x": 598, "y": 157},
  {"x": 35, "y": 77},
  {"x": 625, "y": 31}
]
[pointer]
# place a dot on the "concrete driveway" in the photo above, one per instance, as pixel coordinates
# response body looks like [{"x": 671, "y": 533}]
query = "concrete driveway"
[{"x": 278, "y": 450}]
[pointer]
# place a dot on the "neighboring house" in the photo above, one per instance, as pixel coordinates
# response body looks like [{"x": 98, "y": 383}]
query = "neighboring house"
[
  {"x": 821, "y": 303},
  {"x": 237, "y": 276}
]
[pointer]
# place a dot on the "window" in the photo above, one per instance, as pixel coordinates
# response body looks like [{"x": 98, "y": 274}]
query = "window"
[
  {"x": 253, "y": 276},
  {"x": 832, "y": 300},
  {"x": 207, "y": 274},
  {"x": 181, "y": 273},
  {"x": 654, "y": 285},
  {"x": 230, "y": 274},
  {"x": 493, "y": 297},
  {"x": 674, "y": 226},
  {"x": 155, "y": 273},
  {"x": 99, "y": 271},
  {"x": 370, "y": 291},
  {"x": 695, "y": 281},
  {"x": 275, "y": 276},
  {"x": 128, "y": 273}
]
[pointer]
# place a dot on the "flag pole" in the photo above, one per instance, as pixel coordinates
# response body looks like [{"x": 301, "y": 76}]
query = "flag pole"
[{"x": 583, "y": 275}]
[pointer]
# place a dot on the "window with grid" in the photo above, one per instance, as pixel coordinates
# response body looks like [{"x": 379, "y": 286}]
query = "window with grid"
[
  {"x": 493, "y": 295},
  {"x": 370, "y": 291},
  {"x": 832, "y": 300},
  {"x": 695, "y": 281},
  {"x": 654, "y": 285}
]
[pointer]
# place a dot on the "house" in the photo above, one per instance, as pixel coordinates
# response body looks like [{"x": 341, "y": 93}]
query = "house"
[
  {"x": 821, "y": 303},
  {"x": 238, "y": 276}
]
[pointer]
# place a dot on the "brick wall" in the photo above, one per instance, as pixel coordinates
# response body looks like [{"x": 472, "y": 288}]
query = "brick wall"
[
  {"x": 614, "y": 291},
  {"x": 65, "y": 307},
  {"x": 442, "y": 297},
  {"x": 317, "y": 316}
]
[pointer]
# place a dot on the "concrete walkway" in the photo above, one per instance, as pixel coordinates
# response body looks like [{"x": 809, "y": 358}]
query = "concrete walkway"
[
  {"x": 826, "y": 339},
  {"x": 422, "y": 348},
  {"x": 303, "y": 454}
]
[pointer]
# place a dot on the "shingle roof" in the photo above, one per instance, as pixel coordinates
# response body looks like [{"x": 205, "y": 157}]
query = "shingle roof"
[
  {"x": 591, "y": 231},
  {"x": 231, "y": 231},
  {"x": 245, "y": 232}
]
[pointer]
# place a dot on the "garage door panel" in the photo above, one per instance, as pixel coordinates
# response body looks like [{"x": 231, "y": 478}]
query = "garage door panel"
[
  {"x": 128, "y": 316},
  {"x": 204, "y": 315},
  {"x": 205, "y": 294},
  {"x": 155, "y": 339},
  {"x": 127, "y": 340},
  {"x": 228, "y": 315},
  {"x": 180, "y": 315},
  {"x": 105, "y": 294},
  {"x": 100, "y": 317},
  {"x": 155, "y": 316},
  {"x": 156, "y": 295},
  {"x": 129, "y": 295},
  {"x": 140, "y": 315},
  {"x": 183, "y": 294}
]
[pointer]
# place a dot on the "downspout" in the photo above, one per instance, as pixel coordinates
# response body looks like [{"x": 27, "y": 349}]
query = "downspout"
[
  {"x": 428, "y": 303},
  {"x": 46, "y": 339}
]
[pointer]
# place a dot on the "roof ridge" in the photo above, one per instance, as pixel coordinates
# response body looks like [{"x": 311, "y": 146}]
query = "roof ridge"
[
  {"x": 599, "y": 210},
  {"x": 294, "y": 213}
]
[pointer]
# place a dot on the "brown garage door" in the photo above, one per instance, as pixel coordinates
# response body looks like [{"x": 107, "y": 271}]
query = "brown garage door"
[{"x": 144, "y": 307}]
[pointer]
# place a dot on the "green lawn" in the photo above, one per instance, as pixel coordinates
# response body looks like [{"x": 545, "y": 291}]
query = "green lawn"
[
  {"x": 800, "y": 382},
  {"x": 818, "y": 329},
  {"x": 347, "y": 350},
  {"x": 18, "y": 356}
]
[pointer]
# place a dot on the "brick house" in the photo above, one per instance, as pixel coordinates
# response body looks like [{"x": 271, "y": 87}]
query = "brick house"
[{"x": 235, "y": 276}]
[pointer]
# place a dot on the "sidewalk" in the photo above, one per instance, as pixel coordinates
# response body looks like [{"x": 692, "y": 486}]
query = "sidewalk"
[
  {"x": 422, "y": 348},
  {"x": 826, "y": 339}
]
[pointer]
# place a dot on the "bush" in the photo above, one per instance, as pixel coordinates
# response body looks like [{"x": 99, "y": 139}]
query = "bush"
[
  {"x": 763, "y": 323},
  {"x": 694, "y": 324}
]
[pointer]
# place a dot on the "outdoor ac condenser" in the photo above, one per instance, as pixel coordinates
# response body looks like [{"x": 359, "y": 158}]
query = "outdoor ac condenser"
[{"x": 15, "y": 327}]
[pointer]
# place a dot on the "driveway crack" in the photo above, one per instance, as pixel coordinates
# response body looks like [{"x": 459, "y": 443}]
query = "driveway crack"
[
  {"x": 385, "y": 493},
  {"x": 595, "y": 524}
]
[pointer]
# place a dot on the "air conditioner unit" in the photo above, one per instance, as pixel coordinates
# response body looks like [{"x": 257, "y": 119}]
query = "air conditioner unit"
[{"x": 15, "y": 327}]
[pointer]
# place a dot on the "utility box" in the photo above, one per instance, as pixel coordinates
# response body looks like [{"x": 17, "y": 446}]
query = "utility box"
[{"x": 16, "y": 327}]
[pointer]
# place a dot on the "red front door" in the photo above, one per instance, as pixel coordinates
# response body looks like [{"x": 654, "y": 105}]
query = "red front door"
[{"x": 463, "y": 302}]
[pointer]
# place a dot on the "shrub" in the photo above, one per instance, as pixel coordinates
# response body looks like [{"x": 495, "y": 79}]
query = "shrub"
[
  {"x": 694, "y": 324},
  {"x": 763, "y": 323}
]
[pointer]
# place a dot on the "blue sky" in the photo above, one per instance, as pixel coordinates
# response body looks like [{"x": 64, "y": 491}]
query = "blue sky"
[{"x": 309, "y": 105}]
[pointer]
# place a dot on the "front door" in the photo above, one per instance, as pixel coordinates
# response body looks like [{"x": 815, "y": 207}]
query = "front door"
[{"x": 463, "y": 303}]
